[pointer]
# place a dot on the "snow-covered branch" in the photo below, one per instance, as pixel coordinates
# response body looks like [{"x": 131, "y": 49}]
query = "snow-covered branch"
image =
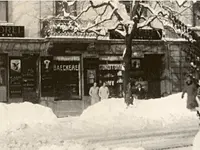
[
  {"x": 153, "y": 11},
  {"x": 147, "y": 22},
  {"x": 104, "y": 4},
  {"x": 107, "y": 19}
]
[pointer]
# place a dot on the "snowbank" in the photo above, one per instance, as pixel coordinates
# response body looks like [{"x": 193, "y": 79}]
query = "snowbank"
[
  {"x": 196, "y": 142},
  {"x": 19, "y": 115},
  {"x": 153, "y": 113},
  {"x": 79, "y": 146}
]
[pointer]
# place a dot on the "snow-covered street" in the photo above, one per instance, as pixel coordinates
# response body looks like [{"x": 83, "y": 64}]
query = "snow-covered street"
[{"x": 155, "y": 124}]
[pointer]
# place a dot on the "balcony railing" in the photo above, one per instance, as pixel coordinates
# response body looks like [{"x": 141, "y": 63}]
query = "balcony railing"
[{"x": 66, "y": 28}]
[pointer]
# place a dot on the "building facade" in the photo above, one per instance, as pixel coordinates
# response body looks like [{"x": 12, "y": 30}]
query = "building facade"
[{"x": 59, "y": 70}]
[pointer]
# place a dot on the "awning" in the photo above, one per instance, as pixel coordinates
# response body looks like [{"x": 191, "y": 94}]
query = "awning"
[{"x": 32, "y": 45}]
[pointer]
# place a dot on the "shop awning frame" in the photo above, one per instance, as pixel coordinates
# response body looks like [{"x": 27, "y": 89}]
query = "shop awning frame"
[{"x": 32, "y": 45}]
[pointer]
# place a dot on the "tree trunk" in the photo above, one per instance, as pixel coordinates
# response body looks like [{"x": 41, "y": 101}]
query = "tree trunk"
[{"x": 127, "y": 65}]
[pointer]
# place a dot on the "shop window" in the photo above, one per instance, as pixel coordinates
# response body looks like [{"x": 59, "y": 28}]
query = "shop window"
[
  {"x": 68, "y": 8},
  {"x": 3, "y": 11},
  {"x": 111, "y": 73},
  {"x": 67, "y": 77},
  {"x": 47, "y": 76},
  {"x": 15, "y": 77}
]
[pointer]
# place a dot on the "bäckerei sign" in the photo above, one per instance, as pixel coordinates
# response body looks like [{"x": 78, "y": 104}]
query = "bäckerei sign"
[{"x": 12, "y": 31}]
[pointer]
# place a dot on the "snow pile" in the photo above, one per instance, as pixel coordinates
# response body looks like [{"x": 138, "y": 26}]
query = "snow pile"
[
  {"x": 152, "y": 113},
  {"x": 79, "y": 146},
  {"x": 21, "y": 115},
  {"x": 196, "y": 142}
]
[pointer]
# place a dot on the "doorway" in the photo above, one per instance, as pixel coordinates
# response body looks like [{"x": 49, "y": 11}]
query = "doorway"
[
  {"x": 91, "y": 71},
  {"x": 30, "y": 78},
  {"x": 152, "y": 65}
]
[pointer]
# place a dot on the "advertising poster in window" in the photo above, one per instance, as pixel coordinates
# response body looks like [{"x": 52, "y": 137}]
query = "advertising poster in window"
[
  {"x": 15, "y": 78},
  {"x": 47, "y": 76}
]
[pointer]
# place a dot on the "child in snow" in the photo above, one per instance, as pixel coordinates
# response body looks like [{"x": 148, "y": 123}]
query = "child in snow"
[{"x": 190, "y": 88}]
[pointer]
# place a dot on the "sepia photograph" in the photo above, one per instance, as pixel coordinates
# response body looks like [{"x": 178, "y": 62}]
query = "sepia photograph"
[{"x": 99, "y": 74}]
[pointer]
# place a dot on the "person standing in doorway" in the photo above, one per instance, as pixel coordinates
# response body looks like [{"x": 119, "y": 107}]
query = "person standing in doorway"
[
  {"x": 93, "y": 92},
  {"x": 103, "y": 92},
  {"x": 140, "y": 92}
]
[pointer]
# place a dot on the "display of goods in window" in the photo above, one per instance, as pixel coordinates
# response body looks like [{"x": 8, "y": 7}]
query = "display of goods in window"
[{"x": 66, "y": 77}]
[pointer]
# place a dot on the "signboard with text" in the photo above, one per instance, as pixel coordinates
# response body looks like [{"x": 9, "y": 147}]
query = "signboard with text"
[{"x": 12, "y": 31}]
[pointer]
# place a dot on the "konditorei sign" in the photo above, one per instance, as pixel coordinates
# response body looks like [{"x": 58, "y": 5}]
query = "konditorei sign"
[{"x": 12, "y": 31}]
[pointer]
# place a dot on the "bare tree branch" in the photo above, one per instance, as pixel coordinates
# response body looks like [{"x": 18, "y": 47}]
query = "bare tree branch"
[
  {"x": 107, "y": 19},
  {"x": 147, "y": 22}
]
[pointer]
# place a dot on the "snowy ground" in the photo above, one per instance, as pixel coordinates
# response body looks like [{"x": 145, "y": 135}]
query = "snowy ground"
[{"x": 108, "y": 124}]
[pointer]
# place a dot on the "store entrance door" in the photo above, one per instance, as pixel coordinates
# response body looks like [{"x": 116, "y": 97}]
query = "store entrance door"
[
  {"x": 152, "y": 71},
  {"x": 91, "y": 66},
  {"x": 30, "y": 78}
]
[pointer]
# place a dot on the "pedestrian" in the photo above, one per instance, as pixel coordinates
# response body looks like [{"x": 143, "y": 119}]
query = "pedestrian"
[
  {"x": 190, "y": 88},
  {"x": 93, "y": 92},
  {"x": 104, "y": 92},
  {"x": 140, "y": 91}
]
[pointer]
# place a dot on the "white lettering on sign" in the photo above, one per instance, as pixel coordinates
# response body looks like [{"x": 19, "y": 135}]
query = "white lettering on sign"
[
  {"x": 111, "y": 58},
  {"x": 110, "y": 66},
  {"x": 67, "y": 58},
  {"x": 66, "y": 67}
]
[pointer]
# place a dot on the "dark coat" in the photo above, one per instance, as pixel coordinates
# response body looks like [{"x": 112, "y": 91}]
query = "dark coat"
[
  {"x": 141, "y": 94},
  {"x": 191, "y": 90}
]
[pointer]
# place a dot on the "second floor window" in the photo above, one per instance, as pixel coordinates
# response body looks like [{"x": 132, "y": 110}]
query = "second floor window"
[
  {"x": 3, "y": 11},
  {"x": 68, "y": 8}
]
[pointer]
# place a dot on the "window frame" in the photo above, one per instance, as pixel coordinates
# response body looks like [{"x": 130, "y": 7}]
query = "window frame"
[{"x": 6, "y": 3}]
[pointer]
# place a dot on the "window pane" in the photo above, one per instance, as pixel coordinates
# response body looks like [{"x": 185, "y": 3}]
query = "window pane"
[{"x": 3, "y": 11}]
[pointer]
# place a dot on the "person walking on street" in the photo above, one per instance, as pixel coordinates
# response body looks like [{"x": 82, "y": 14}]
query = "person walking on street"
[
  {"x": 191, "y": 87},
  {"x": 103, "y": 92},
  {"x": 93, "y": 92}
]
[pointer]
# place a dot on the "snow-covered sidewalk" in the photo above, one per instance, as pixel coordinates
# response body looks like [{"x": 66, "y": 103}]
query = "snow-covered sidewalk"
[
  {"x": 34, "y": 127},
  {"x": 168, "y": 112}
]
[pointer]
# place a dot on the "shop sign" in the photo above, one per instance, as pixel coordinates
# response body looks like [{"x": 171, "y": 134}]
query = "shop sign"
[
  {"x": 111, "y": 58},
  {"x": 15, "y": 65},
  {"x": 110, "y": 66},
  {"x": 67, "y": 58},
  {"x": 66, "y": 67},
  {"x": 12, "y": 31}
]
